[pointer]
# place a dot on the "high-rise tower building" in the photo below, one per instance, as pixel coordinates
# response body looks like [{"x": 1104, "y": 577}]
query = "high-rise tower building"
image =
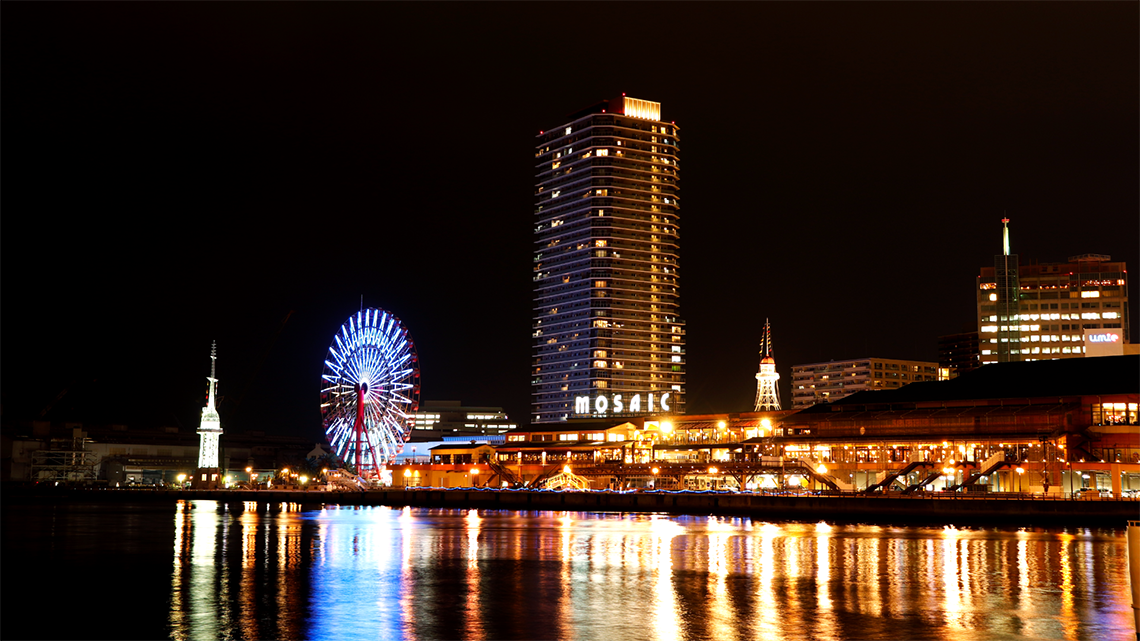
[
  {"x": 608, "y": 338},
  {"x": 1043, "y": 311},
  {"x": 767, "y": 393}
]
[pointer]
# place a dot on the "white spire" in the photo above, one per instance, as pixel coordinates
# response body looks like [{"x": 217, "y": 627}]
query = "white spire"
[
  {"x": 1005, "y": 236},
  {"x": 212, "y": 378},
  {"x": 767, "y": 393},
  {"x": 210, "y": 428}
]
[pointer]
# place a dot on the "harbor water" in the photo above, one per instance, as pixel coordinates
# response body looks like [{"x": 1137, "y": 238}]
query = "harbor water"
[{"x": 213, "y": 570}]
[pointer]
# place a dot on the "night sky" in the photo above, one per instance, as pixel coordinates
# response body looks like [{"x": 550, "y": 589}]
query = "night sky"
[{"x": 180, "y": 173}]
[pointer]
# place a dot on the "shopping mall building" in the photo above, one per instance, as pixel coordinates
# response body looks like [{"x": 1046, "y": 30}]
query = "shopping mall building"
[{"x": 1064, "y": 427}]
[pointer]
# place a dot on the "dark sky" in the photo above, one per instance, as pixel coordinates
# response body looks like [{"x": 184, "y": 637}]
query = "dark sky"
[{"x": 179, "y": 173}]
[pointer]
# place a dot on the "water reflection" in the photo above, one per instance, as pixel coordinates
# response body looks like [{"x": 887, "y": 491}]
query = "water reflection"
[{"x": 276, "y": 571}]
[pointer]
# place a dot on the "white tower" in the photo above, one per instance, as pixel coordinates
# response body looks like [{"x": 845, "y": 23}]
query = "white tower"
[
  {"x": 767, "y": 394},
  {"x": 211, "y": 427}
]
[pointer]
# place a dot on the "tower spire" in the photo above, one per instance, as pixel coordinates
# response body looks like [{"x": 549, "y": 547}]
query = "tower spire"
[
  {"x": 767, "y": 393},
  {"x": 213, "y": 375},
  {"x": 210, "y": 429},
  {"x": 1007, "y": 301}
]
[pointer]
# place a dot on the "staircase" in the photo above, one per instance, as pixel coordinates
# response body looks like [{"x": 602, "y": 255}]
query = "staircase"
[{"x": 992, "y": 464}]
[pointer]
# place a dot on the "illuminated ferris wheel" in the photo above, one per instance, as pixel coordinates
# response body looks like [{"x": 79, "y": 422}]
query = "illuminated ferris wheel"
[{"x": 369, "y": 389}]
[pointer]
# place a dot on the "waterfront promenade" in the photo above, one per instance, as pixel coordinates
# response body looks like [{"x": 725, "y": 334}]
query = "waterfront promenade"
[{"x": 1011, "y": 509}]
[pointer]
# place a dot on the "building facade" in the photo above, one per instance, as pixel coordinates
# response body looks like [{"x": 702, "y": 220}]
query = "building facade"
[
  {"x": 607, "y": 334},
  {"x": 1057, "y": 305},
  {"x": 958, "y": 354},
  {"x": 436, "y": 420},
  {"x": 828, "y": 382}
]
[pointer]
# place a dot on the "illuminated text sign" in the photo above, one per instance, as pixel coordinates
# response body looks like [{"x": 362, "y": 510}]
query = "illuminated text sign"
[
  {"x": 1102, "y": 338},
  {"x": 602, "y": 404}
]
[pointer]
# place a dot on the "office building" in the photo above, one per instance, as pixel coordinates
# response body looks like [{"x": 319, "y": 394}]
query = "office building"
[
  {"x": 608, "y": 337},
  {"x": 828, "y": 382},
  {"x": 1058, "y": 308},
  {"x": 958, "y": 354}
]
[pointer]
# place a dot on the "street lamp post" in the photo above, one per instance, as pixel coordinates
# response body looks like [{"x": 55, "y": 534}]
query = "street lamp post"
[{"x": 1020, "y": 472}]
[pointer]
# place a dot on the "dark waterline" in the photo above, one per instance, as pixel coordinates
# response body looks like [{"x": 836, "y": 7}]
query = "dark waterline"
[{"x": 210, "y": 571}]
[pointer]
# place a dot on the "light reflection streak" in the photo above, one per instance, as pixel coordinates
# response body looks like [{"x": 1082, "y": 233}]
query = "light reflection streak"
[
  {"x": 407, "y": 578},
  {"x": 247, "y": 587},
  {"x": 825, "y": 619},
  {"x": 182, "y": 523},
  {"x": 723, "y": 611},
  {"x": 666, "y": 618},
  {"x": 930, "y": 573},
  {"x": 474, "y": 621},
  {"x": 1067, "y": 586},
  {"x": 566, "y": 595},
  {"x": 769, "y": 624},
  {"x": 952, "y": 592},
  {"x": 1023, "y": 602},
  {"x": 870, "y": 599}
]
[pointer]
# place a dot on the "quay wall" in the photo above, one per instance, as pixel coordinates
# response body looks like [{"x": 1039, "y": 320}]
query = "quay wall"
[{"x": 884, "y": 509}]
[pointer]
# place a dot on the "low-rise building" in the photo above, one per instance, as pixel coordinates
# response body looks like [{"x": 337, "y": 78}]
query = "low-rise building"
[
  {"x": 440, "y": 420},
  {"x": 828, "y": 382}
]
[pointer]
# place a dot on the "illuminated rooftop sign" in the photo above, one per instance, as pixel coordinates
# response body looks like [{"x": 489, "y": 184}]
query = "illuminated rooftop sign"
[{"x": 641, "y": 108}]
